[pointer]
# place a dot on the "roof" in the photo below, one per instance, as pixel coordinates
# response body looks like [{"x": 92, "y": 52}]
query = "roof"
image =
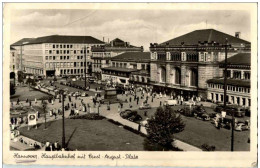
[
  {"x": 239, "y": 59},
  {"x": 203, "y": 35},
  {"x": 63, "y": 39},
  {"x": 118, "y": 40},
  {"x": 133, "y": 57},
  {"x": 11, "y": 48},
  {"x": 120, "y": 69},
  {"x": 233, "y": 82},
  {"x": 22, "y": 41}
]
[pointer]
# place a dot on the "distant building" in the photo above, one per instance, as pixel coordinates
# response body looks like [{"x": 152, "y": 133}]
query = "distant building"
[
  {"x": 238, "y": 81},
  {"x": 56, "y": 54},
  {"x": 183, "y": 65},
  {"x": 102, "y": 55},
  {"x": 14, "y": 60},
  {"x": 128, "y": 67}
]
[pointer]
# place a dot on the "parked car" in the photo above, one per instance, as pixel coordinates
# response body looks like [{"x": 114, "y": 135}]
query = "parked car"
[
  {"x": 127, "y": 113},
  {"x": 83, "y": 94},
  {"x": 189, "y": 103},
  {"x": 238, "y": 111},
  {"x": 202, "y": 116},
  {"x": 134, "y": 118},
  {"x": 74, "y": 79},
  {"x": 171, "y": 102},
  {"x": 241, "y": 127},
  {"x": 145, "y": 106}
]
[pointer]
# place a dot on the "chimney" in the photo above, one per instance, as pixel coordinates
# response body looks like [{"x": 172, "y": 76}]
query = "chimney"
[
  {"x": 103, "y": 39},
  {"x": 237, "y": 34}
]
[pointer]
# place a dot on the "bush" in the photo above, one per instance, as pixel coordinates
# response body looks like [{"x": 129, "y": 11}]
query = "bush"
[
  {"x": 150, "y": 146},
  {"x": 90, "y": 116},
  {"x": 206, "y": 147}
]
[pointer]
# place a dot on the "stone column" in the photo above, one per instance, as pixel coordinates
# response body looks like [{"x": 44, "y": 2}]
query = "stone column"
[
  {"x": 231, "y": 73},
  {"x": 242, "y": 74}
]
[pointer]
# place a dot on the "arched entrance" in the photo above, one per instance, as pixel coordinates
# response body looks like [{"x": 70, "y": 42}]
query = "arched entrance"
[
  {"x": 162, "y": 74},
  {"x": 193, "y": 77}
]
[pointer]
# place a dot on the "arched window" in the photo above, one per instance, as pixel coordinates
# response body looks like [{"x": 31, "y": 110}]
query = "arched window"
[
  {"x": 162, "y": 74},
  {"x": 193, "y": 77},
  {"x": 177, "y": 75}
]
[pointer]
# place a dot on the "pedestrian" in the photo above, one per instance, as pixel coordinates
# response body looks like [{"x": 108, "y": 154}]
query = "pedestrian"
[
  {"x": 145, "y": 113},
  {"x": 75, "y": 105},
  {"x": 160, "y": 103},
  {"x": 52, "y": 101},
  {"x": 18, "y": 100},
  {"x": 139, "y": 127},
  {"x": 108, "y": 107},
  {"x": 30, "y": 103},
  {"x": 27, "y": 100},
  {"x": 152, "y": 98},
  {"x": 47, "y": 146},
  {"x": 130, "y": 99},
  {"x": 50, "y": 113},
  {"x": 35, "y": 100},
  {"x": 119, "y": 108}
]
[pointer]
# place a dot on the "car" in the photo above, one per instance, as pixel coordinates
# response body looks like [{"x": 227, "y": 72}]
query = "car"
[
  {"x": 127, "y": 113},
  {"x": 189, "y": 103},
  {"x": 238, "y": 111},
  {"x": 171, "y": 102},
  {"x": 84, "y": 94},
  {"x": 74, "y": 79},
  {"x": 134, "y": 118},
  {"x": 145, "y": 106},
  {"x": 241, "y": 127}
]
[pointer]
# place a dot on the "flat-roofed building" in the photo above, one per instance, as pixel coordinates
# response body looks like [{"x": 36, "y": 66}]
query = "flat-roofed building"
[
  {"x": 127, "y": 68},
  {"x": 102, "y": 55},
  {"x": 56, "y": 55},
  {"x": 238, "y": 81}
]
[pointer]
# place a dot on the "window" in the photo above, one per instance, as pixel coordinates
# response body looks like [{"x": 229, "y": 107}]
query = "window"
[
  {"x": 64, "y": 57},
  {"x": 46, "y": 57},
  {"x": 107, "y": 61},
  {"x": 50, "y": 58},
  {"x": 54, "y": 57},
  {"x": 247, "y": 75},
  {"x": 77, "y": 57},
  {"x": 57, "y": 52},
  {"x": 68, "y": 57},
  {"x": 125, "y": 65},
  {"x": 50, "y": 51},
  {"x": 57, "y": 46},
  {"x": 60, "y": 46},
  {"x": 53, "y": 46},
  {"x": 64, "y": 46},
  {"x": 81, "y": 57},
  {"x": 75, "y": 65},
  {"x": 71, "y": 46},
  {"x": 143, "y": 66},
  {"x": 68, "y": 46},
  {"x": 87, "y": 51},
  {"x": 81, "y": 64},
  {"x": 60, "y": 57},
  {"x": 68, "y": 51},
  {"x": 113, "y": 64},
  {"x": 75, "y": 52}
]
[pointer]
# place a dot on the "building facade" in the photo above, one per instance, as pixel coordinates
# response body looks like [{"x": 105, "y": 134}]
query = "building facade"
[
  {"x": 238, "y": 81},
  {"x": 182, "y": 66},
  {"x": 14, "y": 60},
  {"x": 127, "y": 68},
  {"x": 57, "y": 55},
  {"x": 102, "y": 55}
]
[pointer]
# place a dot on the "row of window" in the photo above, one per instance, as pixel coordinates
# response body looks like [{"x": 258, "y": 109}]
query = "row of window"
[
  {"x": 115, "y": 73},
  {"x": 63, "y": 57},
  {"x": 65, "y": 46},
  {"x": 71, "y": 71},
  {"x": 238, "y": 74},
  {"x": 66, "y": 51},
  {"x": 230, "y": 88},
  {"x": 232, "y": 99},
  {"x": 65, "y": 64}
]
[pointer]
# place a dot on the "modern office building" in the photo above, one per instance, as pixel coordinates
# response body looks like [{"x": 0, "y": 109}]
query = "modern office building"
[
  {"x": 56, "y": 55},
  {"x": 128, "y": 67},
  {"x": 238, "y": 81},
  {"x": 102, "y": 55},
  {"x": 183, "y": 65}
]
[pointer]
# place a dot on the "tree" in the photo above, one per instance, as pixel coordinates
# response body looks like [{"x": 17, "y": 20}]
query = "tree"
[
  {"x": 12, "y": 89},
  {"x": 161, "y": 128},
  {"x": 20, "y": 76}
]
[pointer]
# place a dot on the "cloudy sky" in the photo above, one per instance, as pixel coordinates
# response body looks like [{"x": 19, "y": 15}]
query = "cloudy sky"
[{"x": 139, "y": 27}]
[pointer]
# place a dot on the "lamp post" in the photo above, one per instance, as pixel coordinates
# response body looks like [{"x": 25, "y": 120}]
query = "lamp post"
[
  {"x": 225, "y": 95},
  {"x": 44, "y": 110},
  {"x": 63, "y": 123}
]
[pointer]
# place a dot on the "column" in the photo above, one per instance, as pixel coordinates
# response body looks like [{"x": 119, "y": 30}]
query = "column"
[
  {"x": 231, "y": 73},
  {"x": 242, "y": 74},
  {"x": 246, "y": 102},
  {"x": 214, "y": 97}
]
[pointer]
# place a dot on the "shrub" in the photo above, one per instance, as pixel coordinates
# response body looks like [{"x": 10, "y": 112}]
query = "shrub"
[
  {"x": 206, "y": 147},
  {"x": 90, "y": 116}
]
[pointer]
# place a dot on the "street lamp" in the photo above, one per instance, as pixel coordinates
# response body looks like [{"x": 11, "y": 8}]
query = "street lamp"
[
  {"x": 63, "y": 124},
  {"x": 44, "y": 110}
]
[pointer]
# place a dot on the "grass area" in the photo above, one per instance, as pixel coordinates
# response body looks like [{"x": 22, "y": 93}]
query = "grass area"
[
  {"x": 198, "y": 132},
  {"x": 24, "y": 92},
  {"x": 88, "y": 135}
]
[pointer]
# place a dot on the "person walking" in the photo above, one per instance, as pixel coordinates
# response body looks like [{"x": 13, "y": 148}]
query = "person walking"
[
  {"x": 130, "y": 99},
  {"x": 119, "y": 109}
]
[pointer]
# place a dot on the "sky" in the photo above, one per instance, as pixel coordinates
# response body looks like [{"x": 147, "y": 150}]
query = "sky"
[{"x": 139, "y": 27}]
